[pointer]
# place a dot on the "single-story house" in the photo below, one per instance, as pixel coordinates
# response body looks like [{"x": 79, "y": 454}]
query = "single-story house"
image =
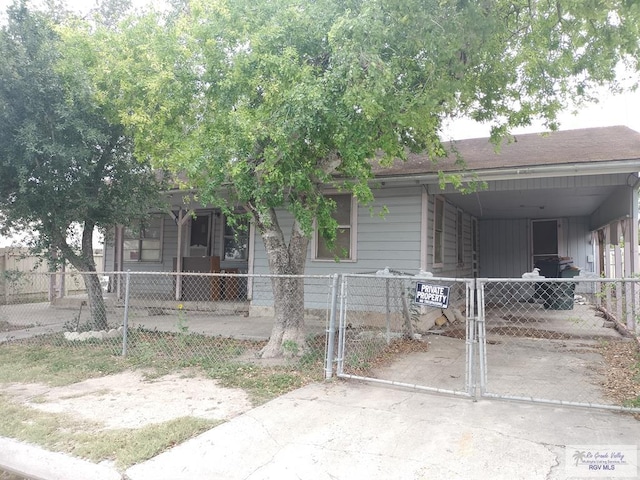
[{"x": 561, "y": 194}]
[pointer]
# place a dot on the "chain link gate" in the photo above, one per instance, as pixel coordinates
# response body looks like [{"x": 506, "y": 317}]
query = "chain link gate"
[
  {"x": 547, "y": 341},
  {"x": 386, "y": 332},
  {"x": 560, "y": 341}
]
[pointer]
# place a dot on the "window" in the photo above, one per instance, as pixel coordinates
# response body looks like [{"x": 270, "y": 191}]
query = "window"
[
  {"x": 344, "y": 246},
  {"x": 144, "y": 243},
  {"x": 460, "y": 239},
  {"x": 236, "y": 239},
  {"x": 438, "y": 231}
]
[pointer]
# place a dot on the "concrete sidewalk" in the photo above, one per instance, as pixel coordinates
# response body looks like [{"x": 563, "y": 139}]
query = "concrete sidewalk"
[
  {"x": 347, "y": 430},
  {"x": 352, "y": 431}
]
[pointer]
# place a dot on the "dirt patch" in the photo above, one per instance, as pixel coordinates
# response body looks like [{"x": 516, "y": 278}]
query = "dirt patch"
[
  {"x": 516, "y": 331},
  {"x": 128, "y": 400},
  {"x": 622, "y": 375},
  {"x": 386, "y": 355}
]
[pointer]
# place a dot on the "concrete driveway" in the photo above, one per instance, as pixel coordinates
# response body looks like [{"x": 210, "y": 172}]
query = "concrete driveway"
[{"x": 348, "y": 430}]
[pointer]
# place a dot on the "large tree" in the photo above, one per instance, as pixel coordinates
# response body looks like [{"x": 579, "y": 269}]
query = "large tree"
[
  {"x": 266, "y": 103},
  {"x": 63, "y": 162}
]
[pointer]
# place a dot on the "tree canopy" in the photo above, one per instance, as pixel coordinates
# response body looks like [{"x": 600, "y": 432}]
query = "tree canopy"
[
  {"x": 64, "y": 161},
  {"x": 266, "y": 104},
  {"x": 267, "y": 101}
]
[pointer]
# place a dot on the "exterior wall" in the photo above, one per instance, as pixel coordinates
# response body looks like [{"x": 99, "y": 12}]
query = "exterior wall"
[
  {"x": 390, "y": 241},
  {"x": 402, "y": 240},
  {"x": 164, "y": 287},
  {"x": 450, "y": 267},
  {"x": 505, "y": 246}
]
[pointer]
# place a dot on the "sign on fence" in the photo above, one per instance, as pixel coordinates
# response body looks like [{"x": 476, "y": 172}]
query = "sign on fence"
[{"x": 432, "y": 295}]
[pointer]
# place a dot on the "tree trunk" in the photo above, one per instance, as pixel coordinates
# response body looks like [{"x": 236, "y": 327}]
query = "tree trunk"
[
  {"x": 84, "y": 263},
  {"x": 288, "y": 333},
  {"x": 287, "y": 263},
  {"x": 97, "y": 307}
]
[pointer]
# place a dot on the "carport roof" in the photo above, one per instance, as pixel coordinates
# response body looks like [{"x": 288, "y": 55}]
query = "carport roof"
[{"x": 569, "y": 147}]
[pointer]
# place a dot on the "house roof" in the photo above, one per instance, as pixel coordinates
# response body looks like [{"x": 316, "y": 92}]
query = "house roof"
[{"x": 582, "y": 146}]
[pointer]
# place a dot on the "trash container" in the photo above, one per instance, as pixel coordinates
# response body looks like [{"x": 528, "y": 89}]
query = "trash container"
[{"x": 560, "y": 295}]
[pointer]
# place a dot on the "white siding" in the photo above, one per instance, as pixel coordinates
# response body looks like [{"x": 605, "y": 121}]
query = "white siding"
[{"x": 567, "y": 182}]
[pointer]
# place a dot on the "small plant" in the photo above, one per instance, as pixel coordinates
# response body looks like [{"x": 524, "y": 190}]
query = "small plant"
[
  {"x": 634, "y": 403},
  {"x": 183, "y": 326},
  {"x": 290, "y": 348},
  {"x": 75, "y": 325}
]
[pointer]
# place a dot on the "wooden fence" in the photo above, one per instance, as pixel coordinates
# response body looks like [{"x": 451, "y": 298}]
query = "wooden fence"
[{"x": 17, "y": 269}]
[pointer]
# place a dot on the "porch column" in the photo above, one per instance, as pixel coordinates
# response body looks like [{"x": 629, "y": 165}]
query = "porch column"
[
  {"x": 182, "y": 219},
  {"x": 607, "y": 264},
  {"x": 630, "y": 252},
  {"x": 118, "y": 258},
  {"x": 614, "y": 239},
  {"x": 634, "y": 255},
  {"x": 251, "y": 258}
]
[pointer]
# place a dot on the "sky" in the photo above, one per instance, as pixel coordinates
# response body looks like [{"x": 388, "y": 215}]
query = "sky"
[
  {"x": 621, "y": 109},
  {"x": 610, "y": 110}
]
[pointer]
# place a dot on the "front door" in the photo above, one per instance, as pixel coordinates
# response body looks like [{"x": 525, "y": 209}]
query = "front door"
[
  {"x": 544, "y": 240},
  {"x": 200, "y": 235}
]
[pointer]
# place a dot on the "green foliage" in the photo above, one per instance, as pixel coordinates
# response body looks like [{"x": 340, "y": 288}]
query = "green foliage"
[
  {"x": 265, "y": 103},
  {"x": 64, "y": 161}
]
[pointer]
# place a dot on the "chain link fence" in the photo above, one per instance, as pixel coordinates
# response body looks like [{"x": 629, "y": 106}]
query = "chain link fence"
[
  {"x": 187, "y": 317},
  {"x": 567, "y": 341},
  {"x": 390, "y": 331},
  {"x": 560, "y": 341}
]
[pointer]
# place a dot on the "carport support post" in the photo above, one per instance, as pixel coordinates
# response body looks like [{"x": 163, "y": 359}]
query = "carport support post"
[
  {"x": 331, "y": 332},
  {"x": 125, "y": 320}
]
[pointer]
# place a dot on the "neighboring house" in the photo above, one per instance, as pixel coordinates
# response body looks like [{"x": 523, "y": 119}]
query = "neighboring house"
[{"x": 564, "y": 194}]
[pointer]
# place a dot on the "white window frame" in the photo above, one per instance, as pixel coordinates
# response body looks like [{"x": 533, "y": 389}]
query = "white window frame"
[
  {"x": 140, "y": 238},
  {"x": 438, "y": 236},
  {"x": 244, "y": 234},
  {"x": 353, "y": 234}
]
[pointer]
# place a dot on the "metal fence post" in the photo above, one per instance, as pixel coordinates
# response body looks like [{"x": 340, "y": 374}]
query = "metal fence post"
[
  {"x": 481, "y": 336},
  {"x": 331, "y": 332},
  {"x": 471, "y": 340},
  {"x": 125, "y": 320},
  {"x": 342, "y": 326}
]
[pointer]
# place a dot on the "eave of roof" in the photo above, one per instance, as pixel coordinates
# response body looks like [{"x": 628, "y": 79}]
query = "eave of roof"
[{"x": 570, "y": 152}]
